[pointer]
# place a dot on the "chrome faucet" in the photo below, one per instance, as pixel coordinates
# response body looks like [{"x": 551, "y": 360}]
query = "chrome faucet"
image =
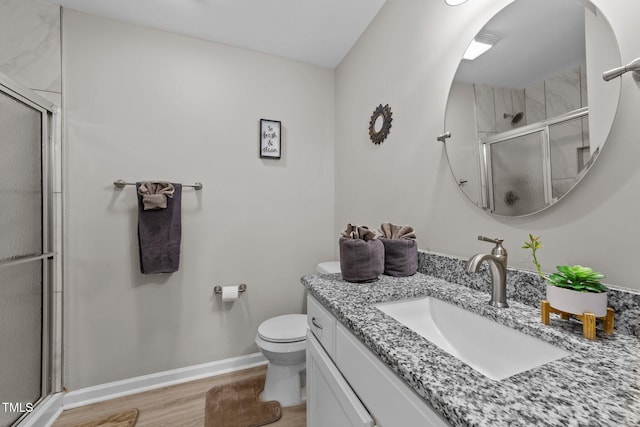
[{"x": 498, "y": 266}]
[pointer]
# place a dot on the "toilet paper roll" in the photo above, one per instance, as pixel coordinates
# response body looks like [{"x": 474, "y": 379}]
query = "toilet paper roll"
[{"x": 230, "y": 293}]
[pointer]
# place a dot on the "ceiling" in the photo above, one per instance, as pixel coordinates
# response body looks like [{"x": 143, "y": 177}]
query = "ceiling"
[
  {"x": 310, "y": 31},
  {"x": 537, "y": 39}
]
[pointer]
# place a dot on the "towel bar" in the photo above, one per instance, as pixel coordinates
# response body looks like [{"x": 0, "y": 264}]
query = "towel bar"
[
  {"x": 241, "y": 288},
  {"x": 121, "y": 183}
]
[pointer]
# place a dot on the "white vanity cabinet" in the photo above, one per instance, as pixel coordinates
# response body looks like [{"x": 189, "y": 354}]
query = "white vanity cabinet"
[
  {"x": 347, "y": 385},
  {"x": 323, "y": 325},
  {"x": 330, "y": 399}
]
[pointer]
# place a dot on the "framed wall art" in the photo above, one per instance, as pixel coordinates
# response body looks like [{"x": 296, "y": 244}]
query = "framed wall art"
[{"x": 270, "y": 139}]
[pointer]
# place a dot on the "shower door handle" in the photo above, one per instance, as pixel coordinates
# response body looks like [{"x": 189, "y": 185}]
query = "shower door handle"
[{"x": 20, "y": 260}]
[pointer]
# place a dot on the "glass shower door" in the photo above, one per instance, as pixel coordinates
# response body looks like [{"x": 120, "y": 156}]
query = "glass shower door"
[
  {"x": 527, "y": 169},
  {"x": 517, "y": 175},
  {"x": 24, "y": 256}
]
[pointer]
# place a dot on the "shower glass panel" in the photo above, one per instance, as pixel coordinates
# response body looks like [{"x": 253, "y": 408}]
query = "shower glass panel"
[
  {"x": 570, "y": 152},
  {"x": 517, "y": 175},
  {"x": 23, "y": 273},
  {"x": 21, "y": 338},
  {"x": 20, "y": 179}
]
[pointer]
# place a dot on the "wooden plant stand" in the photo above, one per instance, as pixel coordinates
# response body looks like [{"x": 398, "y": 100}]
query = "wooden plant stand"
[{"x": 588, "y": 320}]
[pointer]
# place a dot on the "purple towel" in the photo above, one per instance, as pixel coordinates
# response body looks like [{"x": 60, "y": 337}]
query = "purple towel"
[
  {"x": 159, "y": 234},
  {"x": 400, "y": 257},
  {"x": 361, "y": 261}
]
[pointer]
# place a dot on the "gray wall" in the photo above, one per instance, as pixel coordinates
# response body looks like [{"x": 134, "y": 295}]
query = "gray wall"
[
  {"x": 407, "y": 58},
  {"x": 146, "y": 104}
]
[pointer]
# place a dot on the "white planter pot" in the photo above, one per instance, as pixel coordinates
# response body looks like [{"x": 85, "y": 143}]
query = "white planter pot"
[{"x": 575, "y": 302}]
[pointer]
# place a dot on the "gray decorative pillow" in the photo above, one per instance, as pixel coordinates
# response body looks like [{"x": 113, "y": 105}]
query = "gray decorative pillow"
[{"x": 360, "y": 260}]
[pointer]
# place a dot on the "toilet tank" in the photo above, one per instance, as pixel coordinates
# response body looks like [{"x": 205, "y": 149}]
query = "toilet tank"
[{"x": 329, "y": 267}]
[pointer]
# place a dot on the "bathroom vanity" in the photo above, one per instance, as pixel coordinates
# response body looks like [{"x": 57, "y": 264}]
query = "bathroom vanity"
[
  {"x": 364, "y": 368},
  {"x": 344, "y": 375}
]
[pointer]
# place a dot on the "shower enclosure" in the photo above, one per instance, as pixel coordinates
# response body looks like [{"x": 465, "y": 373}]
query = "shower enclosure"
[
  {"x": 26, "y": 254},
  {"x": 529, "y": 168}
]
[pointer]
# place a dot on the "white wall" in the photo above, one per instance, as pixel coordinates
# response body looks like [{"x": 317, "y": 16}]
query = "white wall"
[
  {"x": 407, "y": 58},
  {"x": 145, "y": 104},
  {"x": 463, "y": 143},
  {"x": 601, "y": 53}
]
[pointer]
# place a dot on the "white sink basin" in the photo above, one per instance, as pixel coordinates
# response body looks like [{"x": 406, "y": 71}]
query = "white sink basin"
[{"x": 490, "y": 348}]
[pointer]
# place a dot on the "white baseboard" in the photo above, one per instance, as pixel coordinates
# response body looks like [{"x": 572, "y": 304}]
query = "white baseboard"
[
  {"x": 45, "y": 413},
  {"x": 134, "y": 385}
]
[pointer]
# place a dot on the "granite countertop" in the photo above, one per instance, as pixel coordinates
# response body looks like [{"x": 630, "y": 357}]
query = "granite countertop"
[{"x": 598, "y": 384}]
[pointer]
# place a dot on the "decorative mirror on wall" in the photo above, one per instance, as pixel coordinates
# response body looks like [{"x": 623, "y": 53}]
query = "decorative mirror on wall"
[
  {"x": 380, "y": 124},
  {"x": 527, "y": 118}
]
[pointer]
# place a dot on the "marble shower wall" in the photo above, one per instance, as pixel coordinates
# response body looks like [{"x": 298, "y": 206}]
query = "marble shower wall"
[
  {"x": 30, "y": 46},
  {"x": 492, "y": 103},
  {"x": 542, "y": 100}
]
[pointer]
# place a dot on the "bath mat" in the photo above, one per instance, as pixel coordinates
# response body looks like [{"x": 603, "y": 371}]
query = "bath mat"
[
  {"x": 238, "y": 405},
  {"x": 126, "y": 418}
]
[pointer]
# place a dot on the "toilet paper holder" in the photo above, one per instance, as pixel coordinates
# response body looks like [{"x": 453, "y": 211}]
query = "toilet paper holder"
[{"x": 241, "y": 288}]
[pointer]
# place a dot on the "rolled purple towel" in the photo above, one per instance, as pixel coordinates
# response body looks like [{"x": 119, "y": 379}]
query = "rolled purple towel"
[
  {"x": 400, "y": 257},
  {"x": 400, "y": 250},
  {"x": 360, "y": 260}
]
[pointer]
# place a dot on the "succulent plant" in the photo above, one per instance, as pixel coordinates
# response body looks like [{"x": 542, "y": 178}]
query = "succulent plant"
[
  {"x": 578, "y": 278},
  {"x": 575, "y": 277}
]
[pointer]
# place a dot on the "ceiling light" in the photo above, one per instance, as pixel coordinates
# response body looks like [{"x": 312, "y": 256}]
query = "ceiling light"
[
  {"x": 476, "y": 49},
  {"x": 454, "y": 2},
  {"x": 479, "y": 45}
]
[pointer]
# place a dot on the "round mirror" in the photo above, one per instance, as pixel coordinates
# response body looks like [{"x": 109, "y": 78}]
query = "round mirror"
[
  {"x": 528, "y": 110},
  {"x": 377, "y": 126}
]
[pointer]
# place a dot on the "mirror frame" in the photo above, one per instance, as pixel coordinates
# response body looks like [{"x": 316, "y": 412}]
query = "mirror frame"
[{"x": 378, "y": 137}]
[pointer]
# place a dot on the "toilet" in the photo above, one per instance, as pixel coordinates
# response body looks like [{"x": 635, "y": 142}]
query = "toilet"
[
  {"x": 329, "y": 267},
  {"x": 283, "y": 342}
]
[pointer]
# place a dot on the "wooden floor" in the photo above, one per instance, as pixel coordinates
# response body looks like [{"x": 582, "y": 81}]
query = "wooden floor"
[{"x": 180, "y": 405}]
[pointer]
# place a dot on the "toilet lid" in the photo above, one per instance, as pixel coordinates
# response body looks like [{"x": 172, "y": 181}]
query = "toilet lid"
[{"x": 286, "y": 328}]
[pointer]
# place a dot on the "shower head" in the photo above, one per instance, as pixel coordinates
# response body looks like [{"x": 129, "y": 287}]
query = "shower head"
[{"x": 515, "y": 118}]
